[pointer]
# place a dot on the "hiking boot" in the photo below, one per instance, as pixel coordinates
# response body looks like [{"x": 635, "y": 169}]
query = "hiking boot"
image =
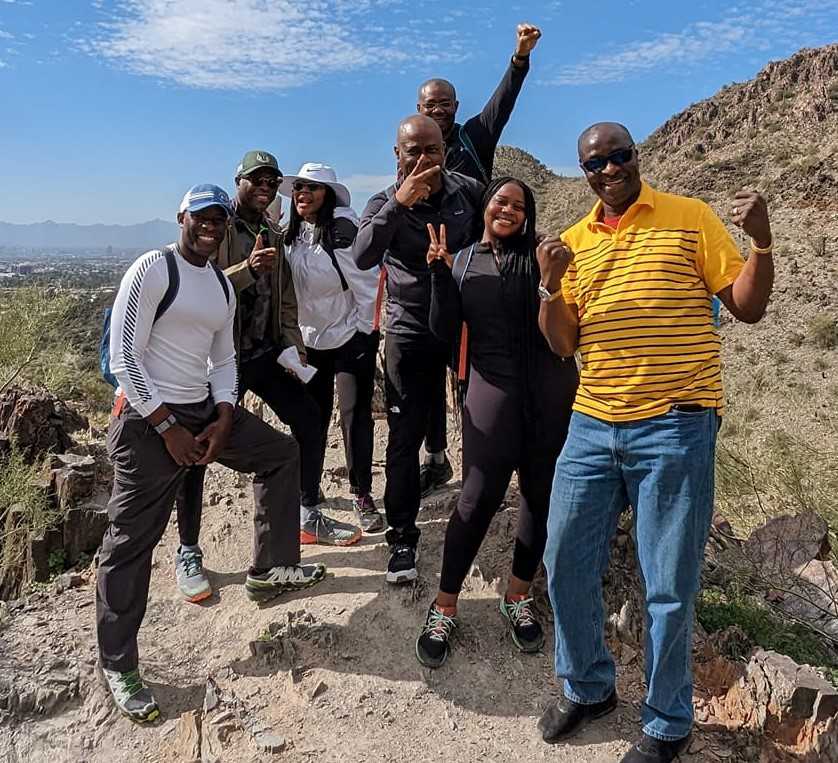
[
  {"x": 319, "y": 528},
  {"x": 368, "y": 515},
  {"x": 526, "y": 631},
  {"x": 131, "y": 696},
  {"x": 565, "y": 717},
  {"x": 266, "y": 585},
  {"x": 651, "y": 750},
  {"x": 433, "y": 476},
  {"x": 189, "y": 573},
  {"x": 402, "y": 565},
  {"x": 432, "y": 646}
]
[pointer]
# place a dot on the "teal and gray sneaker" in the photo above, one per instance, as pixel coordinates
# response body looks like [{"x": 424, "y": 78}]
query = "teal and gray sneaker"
[
  {"x": 526, "y": 631},
  {"x": 131, "y": 696},
  {"x": 189, "y": 572},
  {"x": 267, "y": 585}
]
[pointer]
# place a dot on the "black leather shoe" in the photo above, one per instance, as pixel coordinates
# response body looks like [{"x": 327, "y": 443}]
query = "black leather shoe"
[
  {"x": 565, "y": 717},
  {"x": 651, "y": 750}
]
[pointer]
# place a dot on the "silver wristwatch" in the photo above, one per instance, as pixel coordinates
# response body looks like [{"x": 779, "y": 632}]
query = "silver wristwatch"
[
  {"x": 546, "y": 295},
  {"x": 165, "y": 425}
]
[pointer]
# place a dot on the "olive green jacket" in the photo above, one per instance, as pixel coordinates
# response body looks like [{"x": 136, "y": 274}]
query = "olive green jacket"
[{"x": 232, "y": 259}]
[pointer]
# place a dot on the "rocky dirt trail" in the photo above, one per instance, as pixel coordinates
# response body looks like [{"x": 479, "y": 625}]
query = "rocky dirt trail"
[{"x": 326, "y": 675}]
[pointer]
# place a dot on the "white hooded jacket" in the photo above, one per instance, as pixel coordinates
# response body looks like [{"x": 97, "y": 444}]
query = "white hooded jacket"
[{"x": 329, "y": 315}]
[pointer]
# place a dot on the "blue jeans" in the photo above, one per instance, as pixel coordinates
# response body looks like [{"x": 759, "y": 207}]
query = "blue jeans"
[{"x": 663, "y": 467}]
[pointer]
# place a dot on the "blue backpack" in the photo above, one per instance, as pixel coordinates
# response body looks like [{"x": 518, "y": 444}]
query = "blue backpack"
[{"x": 165, "y": 304}]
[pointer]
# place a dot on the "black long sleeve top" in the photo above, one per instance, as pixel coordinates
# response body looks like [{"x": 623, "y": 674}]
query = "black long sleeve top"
[
  {"x": 397, "y": 237},
  {"x": 484, "y": 129}
]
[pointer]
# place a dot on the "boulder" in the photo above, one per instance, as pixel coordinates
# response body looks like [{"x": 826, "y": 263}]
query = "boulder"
[
  {"x": 83, "y": 529},
  {"x": 811, "y": 595},
  {"x": 786, "y": 543},
  {"x": 74, "y": 479},
  {"x": 38, "y": 421},
  {"x": 790, "y": 706}
]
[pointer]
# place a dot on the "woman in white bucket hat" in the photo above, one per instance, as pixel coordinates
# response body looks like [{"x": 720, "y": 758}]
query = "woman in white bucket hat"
[{"x": 336, "y": 307}]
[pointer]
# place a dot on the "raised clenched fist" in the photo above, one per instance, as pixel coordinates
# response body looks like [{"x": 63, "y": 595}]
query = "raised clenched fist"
[
  {"x": 528, "y": 36},
  {"x": 750, "y": 213},
  {"x": 553, "y": 257}
]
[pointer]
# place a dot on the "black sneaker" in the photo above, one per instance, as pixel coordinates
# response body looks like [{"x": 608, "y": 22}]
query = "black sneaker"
[
  {"x": 402, "y": 565},
  {"x": 432, "y": 646},
  {"x": 565, "y": 717},
  {"x": 651, "y": 750},
  {"x": 526, "y": 631},
  {"x": 367, "y": 514},
  {"x": 433, "y": 476}
]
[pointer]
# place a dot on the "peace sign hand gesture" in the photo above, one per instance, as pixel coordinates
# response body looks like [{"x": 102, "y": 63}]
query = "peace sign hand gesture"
[
  {"x": 417, "y": 185},
  {"x": 438, "y": 249}
]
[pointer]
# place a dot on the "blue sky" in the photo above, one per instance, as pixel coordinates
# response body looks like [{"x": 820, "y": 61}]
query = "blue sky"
[{"x": 110, "y": 110}]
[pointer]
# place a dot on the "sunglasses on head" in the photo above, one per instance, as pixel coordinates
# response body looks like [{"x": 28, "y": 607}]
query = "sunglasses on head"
[
  {"x": 598, "y": 163},
  {"x": 300, "y": 185},
  {"x": 267, "y": 180}
]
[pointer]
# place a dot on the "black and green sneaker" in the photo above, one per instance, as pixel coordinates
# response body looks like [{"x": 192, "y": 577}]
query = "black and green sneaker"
[
  {"x": 267, "y": 585},
  {"x": 432, "y": 646},
  {"x": 526, "y": 631},
  {"x": 131, "y": 696}
]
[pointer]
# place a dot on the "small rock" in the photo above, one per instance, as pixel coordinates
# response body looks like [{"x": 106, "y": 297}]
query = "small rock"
[
  {"x": 321, "y": 688},
  {"x": 269, "y": 742},
  {"x": 187, "y": 740}
]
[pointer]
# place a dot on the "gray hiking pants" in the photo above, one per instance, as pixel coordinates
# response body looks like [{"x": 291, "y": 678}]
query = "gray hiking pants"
[{"x": 146, "y": 480}]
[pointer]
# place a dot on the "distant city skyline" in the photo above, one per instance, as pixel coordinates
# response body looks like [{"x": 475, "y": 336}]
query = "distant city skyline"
[{"x": 113, "y": 109}]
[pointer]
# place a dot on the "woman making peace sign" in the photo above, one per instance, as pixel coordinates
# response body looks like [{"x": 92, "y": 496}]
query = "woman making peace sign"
[{"x": 516, "y": 411}]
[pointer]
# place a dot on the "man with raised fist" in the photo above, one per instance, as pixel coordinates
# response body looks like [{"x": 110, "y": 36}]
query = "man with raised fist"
[
  {"x": 630, "y": 287},
  {"x": 470, "y": 150},
  {"x": 394, "y": 232}
]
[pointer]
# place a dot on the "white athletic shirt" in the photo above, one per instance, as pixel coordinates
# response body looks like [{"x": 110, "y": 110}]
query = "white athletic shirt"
[
  {"x": 188, "y": 353},
  {"x": 328, "y": 315}
]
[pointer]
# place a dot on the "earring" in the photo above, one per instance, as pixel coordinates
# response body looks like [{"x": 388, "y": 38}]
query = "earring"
[{"x": 524, "y": 227}]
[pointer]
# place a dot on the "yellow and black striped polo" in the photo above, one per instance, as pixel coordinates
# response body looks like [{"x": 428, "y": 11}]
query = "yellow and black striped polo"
[{"x": 643, "y": 293}]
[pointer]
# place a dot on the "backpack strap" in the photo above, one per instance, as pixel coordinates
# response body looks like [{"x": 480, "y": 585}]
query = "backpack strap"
[
  {"x": 328, "y": 244},
  {"x": 472, "y": 152},
  {"x": 464, "y": 261},
  {"x": 222, "y": 279},
  {"x": 174, "y": 283}
]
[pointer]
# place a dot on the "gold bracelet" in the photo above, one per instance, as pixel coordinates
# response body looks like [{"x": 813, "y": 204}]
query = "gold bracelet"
[{"x": 762, "y": 250}]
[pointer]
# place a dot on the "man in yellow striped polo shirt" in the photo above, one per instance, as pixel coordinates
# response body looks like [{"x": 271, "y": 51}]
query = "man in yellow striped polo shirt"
[{"x": 630, "y": 287}]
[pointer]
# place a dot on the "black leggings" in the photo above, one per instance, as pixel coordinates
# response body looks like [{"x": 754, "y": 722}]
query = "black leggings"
[
  {"x": 352, "y": 368},
  {"x": 496, "y": 442}
]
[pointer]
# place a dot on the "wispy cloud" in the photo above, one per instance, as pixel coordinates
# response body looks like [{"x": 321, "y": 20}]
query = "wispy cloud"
[
  {"x": 758, "y": 26},
  {"x": 256, "y": 44}
]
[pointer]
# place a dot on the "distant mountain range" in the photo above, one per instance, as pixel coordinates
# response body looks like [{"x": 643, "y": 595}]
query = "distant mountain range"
[{"x": 50, "y": 234}]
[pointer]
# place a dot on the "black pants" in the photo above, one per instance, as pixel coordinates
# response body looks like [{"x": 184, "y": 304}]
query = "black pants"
[
  {"x": 289, "y": 399},
  {"x": 352, "y": 368},
  {"x": 436, "y": 430},
  {"x": 496, "y": 442},
  {"x": 146, "y": 480},
  {"x": 414, "y": 372}
]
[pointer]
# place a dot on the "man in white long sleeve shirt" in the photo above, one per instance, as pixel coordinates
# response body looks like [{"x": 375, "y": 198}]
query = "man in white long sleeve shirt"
[{"x": 173, "y": 355}]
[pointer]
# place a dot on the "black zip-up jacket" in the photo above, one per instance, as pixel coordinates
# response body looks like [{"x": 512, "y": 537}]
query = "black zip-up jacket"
[
  {"x": 484, "y": 129},
  {"x": 397, "y": 237}
]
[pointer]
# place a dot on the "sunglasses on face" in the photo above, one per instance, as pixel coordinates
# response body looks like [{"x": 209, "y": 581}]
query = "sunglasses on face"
[
  {"x": 620, "y": 157},
  {"x": 299, "y": 185},
  {"x": 266, "y": 180}
]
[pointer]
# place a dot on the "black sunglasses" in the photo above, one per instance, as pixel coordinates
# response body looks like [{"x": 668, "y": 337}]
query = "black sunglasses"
[
  {"x": 598, "y": 163},
  {"x": 299, "y": 185},
  {"x": 266, "y": 180}
]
